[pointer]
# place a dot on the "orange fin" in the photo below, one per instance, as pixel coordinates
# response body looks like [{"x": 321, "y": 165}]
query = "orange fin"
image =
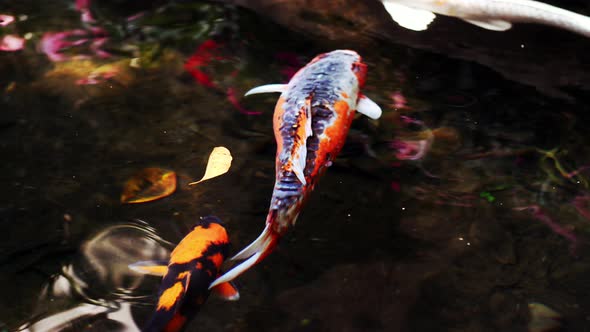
[
  {"x": 227, "y": 291},
  {"x": 156, "y": 268},
  {"x": 255, "y": 252}
]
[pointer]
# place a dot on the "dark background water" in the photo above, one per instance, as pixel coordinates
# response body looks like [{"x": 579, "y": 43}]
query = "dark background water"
[{"x": 442, "y": 243}]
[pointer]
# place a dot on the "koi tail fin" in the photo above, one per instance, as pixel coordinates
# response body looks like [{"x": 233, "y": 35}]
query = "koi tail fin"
[{"x": 253, "y": 254}]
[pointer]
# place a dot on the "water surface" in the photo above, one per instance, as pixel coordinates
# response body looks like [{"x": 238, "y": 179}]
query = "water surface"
[{"x": 466, "y": 202}]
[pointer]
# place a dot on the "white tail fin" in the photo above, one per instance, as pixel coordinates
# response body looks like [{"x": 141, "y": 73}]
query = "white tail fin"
[{"x": 255, "y": 252}]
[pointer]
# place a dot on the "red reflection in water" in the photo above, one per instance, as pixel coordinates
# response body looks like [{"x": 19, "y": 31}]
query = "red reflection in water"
[
  {"x": 581, "y": 203},
  {"x": 204, "y": 57},
  {"x": 205, "y": 53},
  {"x": 291, "y": 63},
  {"x": 539, "y": 214}
]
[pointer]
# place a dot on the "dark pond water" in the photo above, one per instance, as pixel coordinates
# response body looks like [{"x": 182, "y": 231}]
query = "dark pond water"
[{"x": 465, "y": 207}]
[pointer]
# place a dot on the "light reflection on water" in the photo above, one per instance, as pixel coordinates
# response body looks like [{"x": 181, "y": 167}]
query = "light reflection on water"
[
  {"x": 463, "y": 205},
  {"x": 97, "y": 289}
]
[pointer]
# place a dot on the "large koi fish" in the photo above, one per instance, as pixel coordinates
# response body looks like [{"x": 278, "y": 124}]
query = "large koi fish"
[
  {"x": 489, "y": 14},
  {"x": 193, "y": 266},
  {"x": 311, "y": 120}
]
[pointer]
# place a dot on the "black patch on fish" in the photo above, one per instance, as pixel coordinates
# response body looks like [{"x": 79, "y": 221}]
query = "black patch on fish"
[{"x": 198, "y": 286}]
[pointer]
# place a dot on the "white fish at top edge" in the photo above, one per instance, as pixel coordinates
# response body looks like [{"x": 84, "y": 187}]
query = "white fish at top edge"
[{"x": 495, "y": 15}]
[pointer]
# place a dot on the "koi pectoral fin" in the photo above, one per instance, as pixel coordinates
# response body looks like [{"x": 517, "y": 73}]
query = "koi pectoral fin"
[
  {"x": 495, "y": 25},
  {"x": 407, "y": 17},
  {"x": 267, "y": 88},
  {"x": 368, "y": 107},
  {"x": 227, "y": 291},
  {"x": 255, "y": 252},
  {"x": 156, "y": 268}
]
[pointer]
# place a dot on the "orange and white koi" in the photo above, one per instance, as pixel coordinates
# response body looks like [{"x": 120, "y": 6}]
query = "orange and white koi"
[
  {"x": 311, "y": 121},
  {"x": 193, "y": 265}
]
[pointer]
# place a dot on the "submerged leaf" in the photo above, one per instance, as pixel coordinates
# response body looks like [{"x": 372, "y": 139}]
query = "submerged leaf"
[
  {"x": 543, "y": 318},
  {"x": 218, "y": 164},
  {"x": 148, "y": 185}
]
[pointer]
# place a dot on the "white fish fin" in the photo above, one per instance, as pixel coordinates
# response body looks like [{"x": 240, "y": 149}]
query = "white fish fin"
[
  {"x": 252, "y": 247},
  {"x": 407, "y": 17},
  {"x": 299, "y": 162},
  {"x": 187, "y": 281},
  {"x": 368, "y": 107},
  {"x": 227, "y": 291},
  {"x": 267, "y": 88},
  {"x": 155, "y": 268},
  {"x": 259, "y": 249},
  {"x": 237, "y": 270},
  {"x": 495, "y": 25}
]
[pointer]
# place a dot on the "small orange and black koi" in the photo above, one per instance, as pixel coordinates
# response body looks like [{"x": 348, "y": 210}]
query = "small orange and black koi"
[
  {"x": 311, "y": 121},
  {"x": 193, "y": 266}
]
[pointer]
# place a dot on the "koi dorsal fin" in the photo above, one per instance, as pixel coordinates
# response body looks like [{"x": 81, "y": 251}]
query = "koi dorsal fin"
[
  {"x": 266, "y": 89},
  {"x": 156, "y": 268},
  {"x": 368, "y": 107},
  {"x": 299, "y": 156}
]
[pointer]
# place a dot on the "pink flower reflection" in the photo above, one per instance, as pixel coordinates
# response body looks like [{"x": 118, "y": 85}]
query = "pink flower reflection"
[
  {"x": 54, "y": 43},
  {"x": 411, "y": 150},
  {"x": 399, "y": 101},
  {"x": 582, "y": 204},
  {"x": 83, "y": 6},
  {"x": 11, "y": 43},
  {"x": 409, "y": 120},
  {"x": 539, "y": 214},
  {"x": 6, "y": 20},
  {"x": 93, "y": 79}
]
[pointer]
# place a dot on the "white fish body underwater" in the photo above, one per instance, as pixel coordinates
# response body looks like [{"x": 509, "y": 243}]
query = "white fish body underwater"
[{"x": 495, "y": 15}]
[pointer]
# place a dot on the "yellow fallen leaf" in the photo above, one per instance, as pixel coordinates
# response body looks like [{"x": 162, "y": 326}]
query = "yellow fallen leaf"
[
  {"x": 148, "y": 185},
  {"x": 219, "y": 163},
  {"x": 543, "y": 318}
]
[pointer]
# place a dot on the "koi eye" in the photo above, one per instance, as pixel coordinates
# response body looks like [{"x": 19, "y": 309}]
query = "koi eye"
[
  {"x": 360, "y": 71},
  {"x": 359, "y": 67}
]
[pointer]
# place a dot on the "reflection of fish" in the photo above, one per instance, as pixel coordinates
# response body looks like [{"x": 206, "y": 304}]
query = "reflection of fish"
[
  {"x": 193, "y": 265},
  {"x": 311, "y": 121},
  {"x": 488, "y": 14}
]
